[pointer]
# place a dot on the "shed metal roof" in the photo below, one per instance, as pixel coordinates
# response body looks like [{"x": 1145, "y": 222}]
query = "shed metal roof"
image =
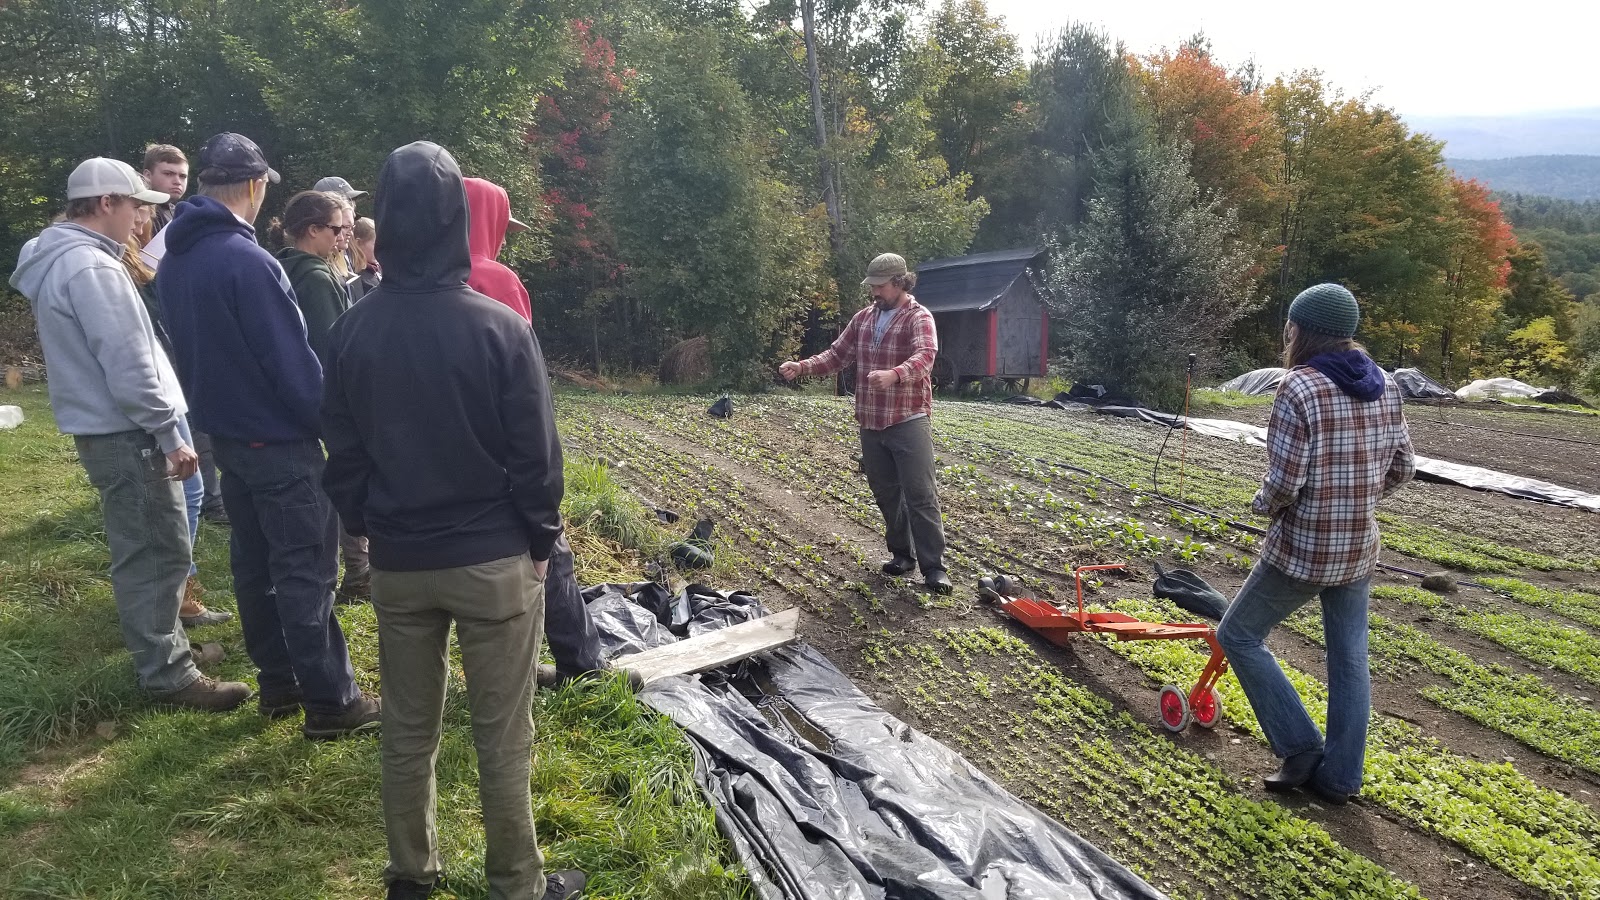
[{"x": 970, "y": 283}]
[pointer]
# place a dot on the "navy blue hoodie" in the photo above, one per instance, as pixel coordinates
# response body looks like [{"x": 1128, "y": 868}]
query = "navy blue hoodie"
[
  {"x": 238, "y": 338},
  {"x": 1353, "y": 372},
  {"x": 442, "y": 445}
]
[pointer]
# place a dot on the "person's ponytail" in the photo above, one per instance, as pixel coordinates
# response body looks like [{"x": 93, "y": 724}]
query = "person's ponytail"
[{"x": 277, "y": 238}]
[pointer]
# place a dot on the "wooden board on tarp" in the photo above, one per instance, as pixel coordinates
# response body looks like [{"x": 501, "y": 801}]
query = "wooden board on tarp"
[{"x": 714, "y": 649}]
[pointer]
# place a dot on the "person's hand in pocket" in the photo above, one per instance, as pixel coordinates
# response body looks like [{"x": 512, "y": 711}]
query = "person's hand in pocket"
[{"x": 541, "y": 567}]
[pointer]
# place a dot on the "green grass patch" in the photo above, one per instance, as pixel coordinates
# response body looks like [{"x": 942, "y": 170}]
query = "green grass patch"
[{"x": 182, "y": 804}]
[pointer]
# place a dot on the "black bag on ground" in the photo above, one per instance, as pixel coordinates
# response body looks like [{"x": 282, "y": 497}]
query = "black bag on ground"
[
  {"x": 1190, "y": 592},
  {"x": 722, "y": 409}
]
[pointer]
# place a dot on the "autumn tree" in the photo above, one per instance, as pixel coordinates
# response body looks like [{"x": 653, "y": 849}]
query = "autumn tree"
[{"x": 1476, "y": 269}]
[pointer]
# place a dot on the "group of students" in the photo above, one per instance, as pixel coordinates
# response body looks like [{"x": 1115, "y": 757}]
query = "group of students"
[{"x": 393, "y": 404}]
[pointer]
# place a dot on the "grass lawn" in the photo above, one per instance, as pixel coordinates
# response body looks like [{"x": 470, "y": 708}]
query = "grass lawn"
[{"x": 105, "y": 796}]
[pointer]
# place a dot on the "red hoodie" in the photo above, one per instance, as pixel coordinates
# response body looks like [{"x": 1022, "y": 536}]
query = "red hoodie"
[{"x": 489, "y": 212}]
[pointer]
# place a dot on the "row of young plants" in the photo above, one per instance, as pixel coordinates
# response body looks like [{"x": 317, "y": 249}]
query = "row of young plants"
[
  {"x": 1164, "y": 810},
  {"x": 1579, "y": 606},
  {"x": 1522, "y": 707},
  {"x": 1564, "y": 648},
  {"x": 1531, "y": 833},
  {"x": 1466, "y": 552}
]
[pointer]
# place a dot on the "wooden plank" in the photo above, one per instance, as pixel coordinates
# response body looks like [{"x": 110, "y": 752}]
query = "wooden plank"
[{"x": 717, "y": 648}]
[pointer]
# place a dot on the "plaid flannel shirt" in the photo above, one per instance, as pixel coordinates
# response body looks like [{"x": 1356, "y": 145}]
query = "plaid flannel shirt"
[
  {"x": 1330, "y": 459},
  {"x": 908, "y": 347}
]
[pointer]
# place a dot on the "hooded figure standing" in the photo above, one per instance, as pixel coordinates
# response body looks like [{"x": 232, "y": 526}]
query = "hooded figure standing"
[
  {"x": 574, "y": 639},
  {"x": 443, "y": 452},
  {"x": 1337, "y": 443}
]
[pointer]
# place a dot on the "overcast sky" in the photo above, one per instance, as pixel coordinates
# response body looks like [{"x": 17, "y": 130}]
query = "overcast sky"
[{"x": 1424, "y": 59}]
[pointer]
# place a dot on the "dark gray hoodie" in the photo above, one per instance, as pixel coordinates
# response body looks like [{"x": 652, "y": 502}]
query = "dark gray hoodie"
[
  {"x": 107, "y": 372},
  {"x": 442, "y": 445}
]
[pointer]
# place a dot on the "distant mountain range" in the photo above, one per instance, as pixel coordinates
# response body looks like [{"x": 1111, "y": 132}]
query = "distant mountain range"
[
  {"x": 1567, "y": 177},
  {"x": 1567, "y": 133}
]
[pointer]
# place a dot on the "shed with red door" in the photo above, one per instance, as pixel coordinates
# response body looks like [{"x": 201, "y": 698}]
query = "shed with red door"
[{"x": 990, "y": 313}]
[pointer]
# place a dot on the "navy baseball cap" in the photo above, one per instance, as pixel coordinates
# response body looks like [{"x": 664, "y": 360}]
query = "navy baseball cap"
[{"x": 229, "y": 158}]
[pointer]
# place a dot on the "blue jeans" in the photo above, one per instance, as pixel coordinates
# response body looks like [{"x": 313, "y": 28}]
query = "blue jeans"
[
  {"x": 143, "y": 512},
  {"x": 1267, "y": 598},
  {"x": 284, "y": 553},
  {"x": 194, "y": 494}
]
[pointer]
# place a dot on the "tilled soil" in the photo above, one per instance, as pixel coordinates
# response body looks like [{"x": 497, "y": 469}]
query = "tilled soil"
[{"x": 855, "y": 611}]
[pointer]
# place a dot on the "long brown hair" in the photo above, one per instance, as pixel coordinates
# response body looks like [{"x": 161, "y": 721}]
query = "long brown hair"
[
  {"x": 1307, "y": 343},
  {"x": 134, "y": 263},
  {"x": 304, "y": 210}
]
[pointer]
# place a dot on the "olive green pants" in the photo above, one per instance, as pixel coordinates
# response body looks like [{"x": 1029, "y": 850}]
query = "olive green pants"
[{"x": 498, "y": 610}]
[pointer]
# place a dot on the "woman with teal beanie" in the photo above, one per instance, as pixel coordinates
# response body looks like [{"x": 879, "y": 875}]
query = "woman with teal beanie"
[{"x": 1337, "y": 444}]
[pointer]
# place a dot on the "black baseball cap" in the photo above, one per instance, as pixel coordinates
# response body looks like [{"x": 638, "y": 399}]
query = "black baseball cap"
[{"x": 229, "y": 158}]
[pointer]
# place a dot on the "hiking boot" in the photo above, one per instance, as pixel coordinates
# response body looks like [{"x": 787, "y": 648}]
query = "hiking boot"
[
  {"x": 401, "y": 889},
  {"x": 361, "y": 717},
  {"x": 899, "y": 565},
  {"x": 216, "y": 514},
  {"x": 355, "y": 588},
  {"x": 278, "y": 704},
  {"x": 547, "y": 678},
  {"x": 192, "y": 613},
  {"x": 938, "y": 582},
  {"x": 207, "y": 695},
  {"x": 564, "y": 885}
]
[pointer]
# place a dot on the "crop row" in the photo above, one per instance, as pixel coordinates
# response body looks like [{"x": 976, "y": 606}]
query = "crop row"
[
  {"x": 1522, "y": 707},
  {"x": 1534, "y": 834},
  {"x": 1162, "y": 809},
  {"x": 1562, "y": 647},
  {"x": 1575, "y": 605}
]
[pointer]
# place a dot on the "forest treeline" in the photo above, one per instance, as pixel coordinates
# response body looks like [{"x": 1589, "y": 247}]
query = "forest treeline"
[{"x": 727, "y": 169}]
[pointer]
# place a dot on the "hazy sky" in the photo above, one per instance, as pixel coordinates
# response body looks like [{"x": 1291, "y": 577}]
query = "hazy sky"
[{"x": 1424, "y": 59}]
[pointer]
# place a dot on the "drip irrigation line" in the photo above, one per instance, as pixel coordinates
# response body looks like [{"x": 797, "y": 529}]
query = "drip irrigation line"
[
  {"x": 1444, "y": 420},
  {"x": 1181, "y": 504}
]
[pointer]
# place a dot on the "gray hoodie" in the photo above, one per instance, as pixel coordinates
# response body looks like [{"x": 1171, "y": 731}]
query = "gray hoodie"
[{"x": 106, "y": 372}]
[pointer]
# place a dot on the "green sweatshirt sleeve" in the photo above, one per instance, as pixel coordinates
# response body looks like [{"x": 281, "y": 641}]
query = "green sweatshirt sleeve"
[{"x": 321, "y": 300}]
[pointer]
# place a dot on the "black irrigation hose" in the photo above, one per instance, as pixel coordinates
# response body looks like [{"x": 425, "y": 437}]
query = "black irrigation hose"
[{"x": 1180, "y": 504}]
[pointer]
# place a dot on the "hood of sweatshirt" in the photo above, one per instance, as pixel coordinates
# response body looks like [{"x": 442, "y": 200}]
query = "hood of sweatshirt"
[
  {"x": 198, "y": 217},
  {"x": 491, "y": 213},
  {"x": 1353, "y": 371},
  {"x": 296, "y": 263},
  {"x": 39, "y": 256},
  {"x": 422, "y": 221}
]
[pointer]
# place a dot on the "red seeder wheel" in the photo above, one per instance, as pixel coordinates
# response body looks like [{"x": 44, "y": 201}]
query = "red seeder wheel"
[
  {"x": 1207, "y": 709},
  {"x": 1174, "y": 708}
]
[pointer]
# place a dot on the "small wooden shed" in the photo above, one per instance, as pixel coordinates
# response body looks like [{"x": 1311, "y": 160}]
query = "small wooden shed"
[{"x": 991, "y": 318}]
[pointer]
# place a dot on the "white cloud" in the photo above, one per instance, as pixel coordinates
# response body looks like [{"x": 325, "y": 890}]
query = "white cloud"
[{"x": 1423, "y": 59}]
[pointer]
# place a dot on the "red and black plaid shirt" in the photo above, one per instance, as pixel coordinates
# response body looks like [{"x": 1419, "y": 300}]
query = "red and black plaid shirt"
[
  {"x": 1330, "y": 459},
  {"x": 908, "y": 347}
]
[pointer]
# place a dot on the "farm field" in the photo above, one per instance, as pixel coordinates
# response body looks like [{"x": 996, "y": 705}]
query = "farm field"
[{"x": 1483, "y": 775}]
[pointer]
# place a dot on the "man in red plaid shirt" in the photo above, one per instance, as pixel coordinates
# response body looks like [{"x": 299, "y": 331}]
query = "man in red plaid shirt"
[{"x": 892, "y": 344}]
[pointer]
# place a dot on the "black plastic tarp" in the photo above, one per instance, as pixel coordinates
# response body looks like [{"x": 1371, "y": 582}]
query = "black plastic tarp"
[
  {"x": 1414, "y": 385},
  {"x": 825, "y": 796}
]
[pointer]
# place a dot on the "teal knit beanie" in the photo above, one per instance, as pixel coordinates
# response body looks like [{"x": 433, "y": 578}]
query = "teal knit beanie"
[{"x": 1326, "y": 308}]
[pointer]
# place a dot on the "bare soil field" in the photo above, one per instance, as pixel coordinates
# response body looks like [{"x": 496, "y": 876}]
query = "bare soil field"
[{"x": 1483, "y": 776}]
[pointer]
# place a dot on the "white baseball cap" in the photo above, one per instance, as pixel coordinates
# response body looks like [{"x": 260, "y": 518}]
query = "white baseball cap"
[{"x": 100, "y": 176}]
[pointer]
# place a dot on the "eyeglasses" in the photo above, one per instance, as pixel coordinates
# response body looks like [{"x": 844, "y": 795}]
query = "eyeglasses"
[{"x": 338, "y": 229}]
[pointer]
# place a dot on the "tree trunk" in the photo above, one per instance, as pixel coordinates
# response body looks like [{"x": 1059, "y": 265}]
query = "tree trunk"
[{"x": 830, "y": 194}]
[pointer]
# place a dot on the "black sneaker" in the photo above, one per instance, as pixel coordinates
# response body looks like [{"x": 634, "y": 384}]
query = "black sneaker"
[
  {"x": 564, "y": 885},
  {"x": 401, "y": 889},
  {"x": 216, "y": 514},
  {"x": 899, "y": 565},
  {"x": 362, "y": 717},
  {"x": 276, "y": 705}
]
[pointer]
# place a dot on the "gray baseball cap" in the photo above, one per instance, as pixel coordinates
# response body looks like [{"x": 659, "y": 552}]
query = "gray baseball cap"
[
  {"x": 333, "y": 184},
  {"x": 884, "y": 268}
]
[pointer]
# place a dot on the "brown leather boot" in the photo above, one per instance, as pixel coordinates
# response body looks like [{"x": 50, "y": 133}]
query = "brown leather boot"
[{"x": 193, "y": 613}]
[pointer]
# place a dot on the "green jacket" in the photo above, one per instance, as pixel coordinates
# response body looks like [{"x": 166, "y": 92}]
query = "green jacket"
[{"x": 318, "y": 292}]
